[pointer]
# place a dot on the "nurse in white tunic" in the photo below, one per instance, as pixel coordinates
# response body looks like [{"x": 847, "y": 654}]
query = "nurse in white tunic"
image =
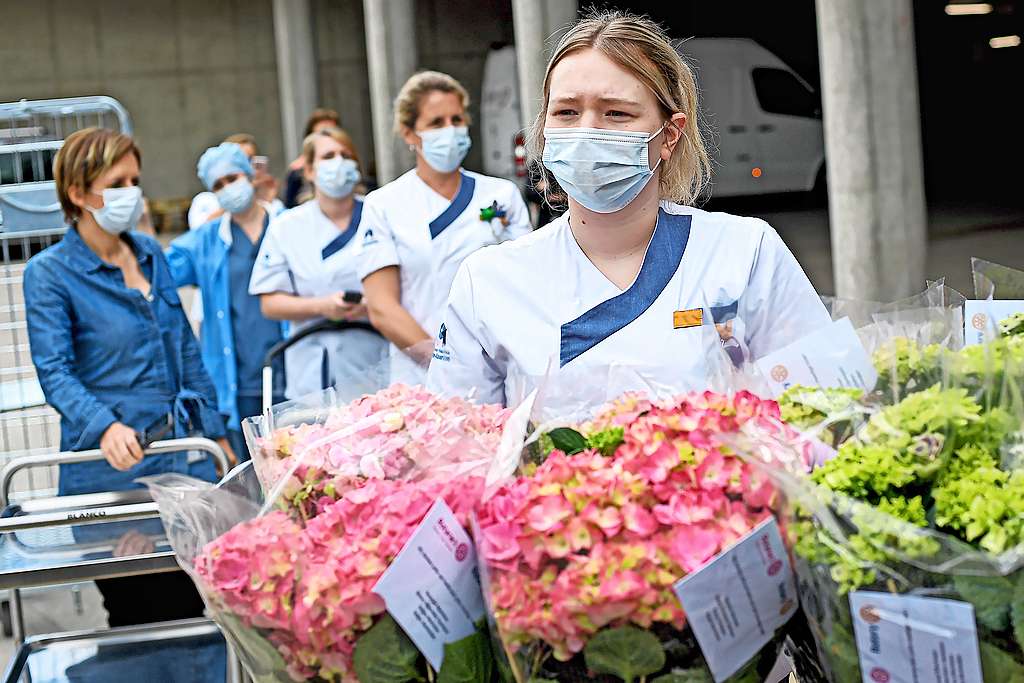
[
  {"x": 632, "y": 288},
  {"x": 417, "y": 230},
  {"x": 307, "y": 271}
]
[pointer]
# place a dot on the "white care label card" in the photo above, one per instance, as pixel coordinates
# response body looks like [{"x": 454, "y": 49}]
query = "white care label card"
[
  {"x": 432, "y": 589},
  {"x": 737, "y": 600},
  {"x": 831, "y": 357},
  {"x": 911, "y": 639},
  {"x": 982, "y": 317}
]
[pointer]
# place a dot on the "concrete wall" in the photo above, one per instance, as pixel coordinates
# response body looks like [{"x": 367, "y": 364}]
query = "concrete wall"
[
  {"x": 191, "y": 72},
  {"x": 341, "y": 64}
]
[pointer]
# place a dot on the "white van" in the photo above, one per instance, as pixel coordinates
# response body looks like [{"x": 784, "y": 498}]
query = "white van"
[{"x": 765, "y": 119}]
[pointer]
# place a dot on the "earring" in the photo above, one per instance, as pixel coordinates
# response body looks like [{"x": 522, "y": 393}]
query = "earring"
[{"x": 412, "y": 148}]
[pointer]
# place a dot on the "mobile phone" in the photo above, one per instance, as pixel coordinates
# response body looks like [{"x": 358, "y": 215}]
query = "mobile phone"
[
  {"x": 351, "y": 297},
  {"x": 259, "y": 163}
]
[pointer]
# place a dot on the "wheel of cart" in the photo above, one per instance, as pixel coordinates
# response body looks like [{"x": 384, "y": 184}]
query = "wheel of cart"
[
  {"x": 31, "y": 132},
  {"x": 61, "y": 540},
  {"x": 322, "y": 327}
]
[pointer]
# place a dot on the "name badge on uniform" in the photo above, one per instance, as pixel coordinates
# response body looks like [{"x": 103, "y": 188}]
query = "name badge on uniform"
[{"x": 693, "y": 317}]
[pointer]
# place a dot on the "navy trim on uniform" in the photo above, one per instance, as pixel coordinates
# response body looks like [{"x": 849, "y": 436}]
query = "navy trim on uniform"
[
  {"x": 459, "y": 204},
  {"x": 661, "y": 262},
  {"x": 339, "y": 242},
  {"x": 723, "y": 314}
]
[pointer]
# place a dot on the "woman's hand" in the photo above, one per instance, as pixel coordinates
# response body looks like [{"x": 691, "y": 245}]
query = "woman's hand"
[
  {"x": 334, "y": 307},
  {"x": 232, "y": 458},
  {"x": 421, "y": 352},
  {"x": 357, "y": 312},
  {"x": 266, "y": 186},
  {"x": 121, "y": 447},
  {"x": 132, "y": 544}
]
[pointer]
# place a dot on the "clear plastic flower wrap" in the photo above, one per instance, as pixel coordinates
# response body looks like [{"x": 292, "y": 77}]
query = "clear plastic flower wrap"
[
  {"x": 287, "y": 560},
  {"x": 924, "y": 496},
  {"x": 580, "y": 546},
  {"x": 995, "y": 281}
]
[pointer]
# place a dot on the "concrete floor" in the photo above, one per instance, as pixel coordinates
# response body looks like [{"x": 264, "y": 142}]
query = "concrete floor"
[
  {"x": 956, "y": 233},
  {"x": 57, "y": 609}
]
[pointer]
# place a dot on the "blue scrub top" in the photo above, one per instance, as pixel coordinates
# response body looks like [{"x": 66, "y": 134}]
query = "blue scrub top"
[
  {"x": 248, "y": 325},
  {"x": 200, "y": 258},
  {"x": 106, "y": 353}
]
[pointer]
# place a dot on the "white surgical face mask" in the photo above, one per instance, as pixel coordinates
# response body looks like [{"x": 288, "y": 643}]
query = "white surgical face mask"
[
  {"x": 121, "y": 210},
  {"x": 445, "y": 148},
  {"x": 602, "y": 170},
  {"x": 336, "y": 177},
  {"x": 237, "y": 196}
]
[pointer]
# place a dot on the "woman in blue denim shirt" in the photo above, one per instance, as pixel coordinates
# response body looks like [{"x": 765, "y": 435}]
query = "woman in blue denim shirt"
[{"x": 113, "y": 350}]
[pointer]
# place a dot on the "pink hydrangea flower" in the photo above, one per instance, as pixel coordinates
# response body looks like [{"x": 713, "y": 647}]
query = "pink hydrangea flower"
[
  {"x": 583, "y": 542},
  {"x": 357, "y": 487}
]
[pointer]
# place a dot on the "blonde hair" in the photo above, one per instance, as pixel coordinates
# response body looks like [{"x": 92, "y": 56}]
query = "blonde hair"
[
  {"x": 337, "y": 134},
  {"x": 244, "y": 139},
  {"x": 407, "y": 104},
  {"x": 641, "y": 47},
  {"x": 85, "y": 156}
]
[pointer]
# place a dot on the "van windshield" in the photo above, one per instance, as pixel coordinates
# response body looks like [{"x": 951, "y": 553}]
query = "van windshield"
[{"x": 780, "y": 92}]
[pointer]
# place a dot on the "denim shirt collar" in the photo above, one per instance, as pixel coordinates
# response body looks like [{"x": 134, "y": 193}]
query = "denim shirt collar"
[{"x": 86, "y": 258}]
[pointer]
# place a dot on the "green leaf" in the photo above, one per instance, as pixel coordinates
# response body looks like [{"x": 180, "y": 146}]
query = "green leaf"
[
  {"x": 990, "y": 596},
  {"x": 626, "y": 652},
  {"x": 384, "y": 654},
  {"x": 685, "y": 676},
  {"x": 468, "y": 660},
  {"x": 1017, "y": 611},
  {"x": 998, "y": 665},
  {"x": 569, "y": 441}
]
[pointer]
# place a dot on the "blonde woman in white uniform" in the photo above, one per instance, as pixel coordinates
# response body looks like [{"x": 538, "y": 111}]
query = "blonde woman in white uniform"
[
  {"x": 307, "y": 271},
  {"x": 632, "y": 288},
  {"x": 417, "y": 230}
]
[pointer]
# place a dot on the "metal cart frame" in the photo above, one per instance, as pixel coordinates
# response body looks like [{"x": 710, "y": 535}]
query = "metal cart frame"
[
  {"x": 63, "y": 511},
  {"x": 282, "y": 346},
  {"x": 119, "y": 636}
]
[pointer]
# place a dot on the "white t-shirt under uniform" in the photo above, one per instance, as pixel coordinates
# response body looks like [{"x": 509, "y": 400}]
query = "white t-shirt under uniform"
[
  {"x": 305, "y": 254},
  {"x": 538, "y": 313},
  {"x": 409, "y": 225}
]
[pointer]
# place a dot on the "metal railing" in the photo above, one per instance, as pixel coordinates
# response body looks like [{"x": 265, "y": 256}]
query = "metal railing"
[{"x": 88, "y": 513}]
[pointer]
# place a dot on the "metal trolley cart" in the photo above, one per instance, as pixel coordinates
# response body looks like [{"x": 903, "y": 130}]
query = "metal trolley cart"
[{"x": 63, "y": 540}]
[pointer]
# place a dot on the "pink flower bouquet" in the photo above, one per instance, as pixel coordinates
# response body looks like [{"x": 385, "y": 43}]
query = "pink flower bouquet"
[
  {"x": 290, "y": 579},
  {"x": 580, "y": 551},
  {"x": 308, "y": 589},
  {"x": 400, "y": 432}
]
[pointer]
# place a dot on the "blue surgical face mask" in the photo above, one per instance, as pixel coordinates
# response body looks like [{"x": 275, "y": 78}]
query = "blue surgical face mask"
[
  {"x": 336, "y": 177},
  {"x": 445, "y": 148},
  {"x": 236, "y": 197},
  {"x": 602, "y": 170},
  {"x": 121, "y": 210}
]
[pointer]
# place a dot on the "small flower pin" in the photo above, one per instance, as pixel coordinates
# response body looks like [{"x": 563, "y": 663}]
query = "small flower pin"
[{"x": 489, "y": 213}]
